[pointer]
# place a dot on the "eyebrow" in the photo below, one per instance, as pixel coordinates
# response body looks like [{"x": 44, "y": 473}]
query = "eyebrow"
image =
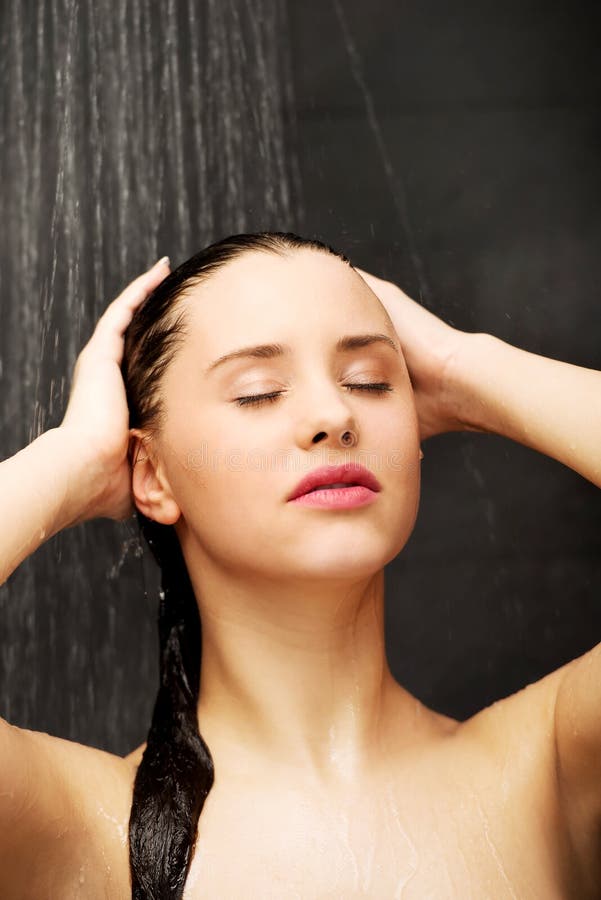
[{"x": 272, "y": 351}]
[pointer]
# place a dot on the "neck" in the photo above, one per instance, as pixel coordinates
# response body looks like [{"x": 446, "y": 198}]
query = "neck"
[{"x": 296, "y": 674}]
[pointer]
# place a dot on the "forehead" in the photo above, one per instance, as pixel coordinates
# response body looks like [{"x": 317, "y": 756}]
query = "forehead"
[{"x": 263, "y": 296}]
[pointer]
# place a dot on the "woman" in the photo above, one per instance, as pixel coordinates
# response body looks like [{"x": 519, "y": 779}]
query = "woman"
[{"x": 317, "y": 774}]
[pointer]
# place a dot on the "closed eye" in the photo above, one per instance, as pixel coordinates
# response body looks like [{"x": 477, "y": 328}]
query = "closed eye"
[{"x": 380, "y": 387}]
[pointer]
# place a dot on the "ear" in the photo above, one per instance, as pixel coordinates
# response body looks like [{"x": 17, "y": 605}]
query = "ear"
[{"x": 150, "y": 488}]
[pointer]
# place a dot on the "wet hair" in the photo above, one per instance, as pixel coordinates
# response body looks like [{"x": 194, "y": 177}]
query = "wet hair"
[{"x": 176, "y": 772}]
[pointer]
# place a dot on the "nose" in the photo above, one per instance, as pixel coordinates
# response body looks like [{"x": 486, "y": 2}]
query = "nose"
[{"x": 326, "y": 416}]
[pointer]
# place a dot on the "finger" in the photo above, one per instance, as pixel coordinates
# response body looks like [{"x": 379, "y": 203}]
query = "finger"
[
  {"x": 141, "y": 286},
  {"x": 108, "y": 336},
  {"x": 119, "y": 312}
]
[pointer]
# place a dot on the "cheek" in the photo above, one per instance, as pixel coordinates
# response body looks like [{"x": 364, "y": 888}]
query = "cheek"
[
  {"x": 202, "y": 447},
  {"x": 394, "y": 450},
  {"x": 232, "y": 510},
  {"x": 218, "y": 481}
]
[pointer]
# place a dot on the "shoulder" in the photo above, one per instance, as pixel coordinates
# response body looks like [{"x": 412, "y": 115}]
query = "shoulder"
[
  {"x": 531, "y": 734},
  {"x": 64, "y": 816},
  {"x": 529, "y": 711},
  {"x": 515, "y": 735},
  {"x": 78, "y": 767},
  {"x": 578, "y": 749}
]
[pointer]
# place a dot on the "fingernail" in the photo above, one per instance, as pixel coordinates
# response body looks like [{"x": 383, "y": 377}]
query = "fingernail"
[{"x": 164, "y": 261}]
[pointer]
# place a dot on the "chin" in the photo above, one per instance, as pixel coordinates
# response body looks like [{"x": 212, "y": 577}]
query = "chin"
[{"x": 344, "y": 562}]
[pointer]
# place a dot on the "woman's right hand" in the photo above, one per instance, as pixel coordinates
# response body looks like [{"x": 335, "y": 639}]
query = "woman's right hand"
[{"x": 96, "y": 422}]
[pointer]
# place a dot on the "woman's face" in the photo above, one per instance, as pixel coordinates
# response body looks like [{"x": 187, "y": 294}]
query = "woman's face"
[{"x": 231, "y": 467}]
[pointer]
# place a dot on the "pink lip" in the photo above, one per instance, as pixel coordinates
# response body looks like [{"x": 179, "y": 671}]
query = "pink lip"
[
  {"x": 337, "y": 498},
  {"x": 350, "y": 473}
]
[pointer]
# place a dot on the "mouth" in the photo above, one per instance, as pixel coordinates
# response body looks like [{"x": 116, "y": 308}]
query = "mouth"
[{"x": 332, "y": 477}]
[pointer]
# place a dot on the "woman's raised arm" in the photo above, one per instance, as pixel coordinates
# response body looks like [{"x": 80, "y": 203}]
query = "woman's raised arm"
[
  {"x": 555, "y": 408},
  {"x": 69, "y": 474},
  {"x": 551, "y": 406},
  {"x": 43, "y": 491},
  {"x": 79, "y": 470}
]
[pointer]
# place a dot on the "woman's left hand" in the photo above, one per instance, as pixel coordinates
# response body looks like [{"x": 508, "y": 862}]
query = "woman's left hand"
[{"x": 430, "y": 348}]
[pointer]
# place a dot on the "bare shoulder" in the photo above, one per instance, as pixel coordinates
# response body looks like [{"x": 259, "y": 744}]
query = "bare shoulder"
[
  {"x": 65, "y": 818},
  {"x": 86, "y": 771},
  {"x": 513, "y": 739},
  {"x": 99, "y": 785},
  {"x": 529, "y": 711},
  {"x": 519, "y": 734}
]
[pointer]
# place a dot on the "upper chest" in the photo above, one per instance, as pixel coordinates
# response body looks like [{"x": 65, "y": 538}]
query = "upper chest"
[{"x": 457, "y": 822}]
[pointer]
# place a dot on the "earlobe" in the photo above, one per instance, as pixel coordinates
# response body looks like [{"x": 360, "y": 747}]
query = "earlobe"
[
  {"x": 421, "y": 453},
  {"x": 158, "y": 506}
]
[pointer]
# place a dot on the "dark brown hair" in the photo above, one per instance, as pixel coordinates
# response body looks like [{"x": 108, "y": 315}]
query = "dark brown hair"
[{"x": 176, "y": 772}]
